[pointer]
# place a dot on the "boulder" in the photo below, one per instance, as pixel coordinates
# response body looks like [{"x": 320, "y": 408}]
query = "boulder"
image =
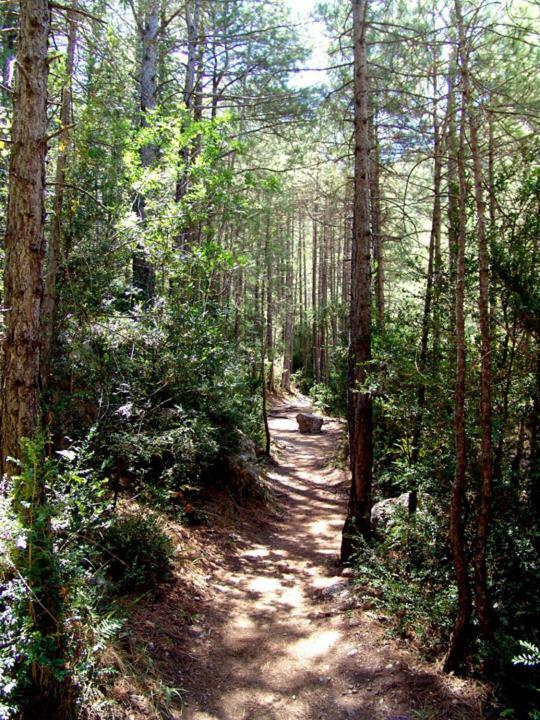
[
  {"x": 309, "y": 424},
  {"x": 244, "y": 472},
  {"x": 383, "y": 511},
  {"x": 244, "y": 475}
]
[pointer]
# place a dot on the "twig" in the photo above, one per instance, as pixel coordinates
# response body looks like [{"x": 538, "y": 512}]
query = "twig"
[
  {"x": 65, "y": 8},
  {"x": 81, "y": 190},
  {"x": 61, "y": 130}
]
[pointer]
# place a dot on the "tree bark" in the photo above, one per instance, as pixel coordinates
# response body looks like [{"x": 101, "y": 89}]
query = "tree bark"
[
  {"x": 25, "y": 239},
  {"x": 315, "y": 304},
  {"x": 481, "y": 596},
  {"x": 144, "y": 276},
  {"x": 288, "y": 333},
  {"x": 431, "y": 284},
  {"x": 377, "y": 240},
  {"x": 359, "y": 399},
  {"x": 46, "y": 697},
  {"x": 54, "y": 251},
  {"x": 461, "y": 629}
]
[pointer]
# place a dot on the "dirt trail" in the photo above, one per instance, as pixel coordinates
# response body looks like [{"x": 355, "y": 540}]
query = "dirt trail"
[{"x": 270, "y": 643}]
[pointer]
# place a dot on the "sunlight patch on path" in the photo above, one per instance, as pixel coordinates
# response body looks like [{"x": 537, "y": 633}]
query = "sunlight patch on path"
[{"x": 316, "y": 645}]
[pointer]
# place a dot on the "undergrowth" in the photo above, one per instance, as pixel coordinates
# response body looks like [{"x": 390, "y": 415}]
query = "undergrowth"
[{"x": 400, "y": 574}]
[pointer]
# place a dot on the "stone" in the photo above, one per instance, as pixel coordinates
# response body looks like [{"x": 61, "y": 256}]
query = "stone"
[
  {"x": 338, "y": 590},
  {"x": 383, "y": 511},
  {"x": 309, "y": 424},
  {"x": 244, "y": 472}
]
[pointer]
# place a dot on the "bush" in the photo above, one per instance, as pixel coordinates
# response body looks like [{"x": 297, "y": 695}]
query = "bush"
[
  {"x": 321, "y": 396},
  {"x": 137, "y": 552},
  {"x": 407, "y": 575}
]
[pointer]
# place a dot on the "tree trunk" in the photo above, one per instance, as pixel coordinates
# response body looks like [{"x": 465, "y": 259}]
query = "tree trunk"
[
  {"x": 323, "y": 303},
  {"x": 461, "y": 629},
  {"x": 432, "y": 277},
  {"x": 346, "y": 265},
  {"x": 315, "y": 305},
  {"x": 192, "y": 105},
  {"x": 452, "y": 172},
  {"x": 144, "y": 277},
  {"x": 269, "y": 343},
  {"x": 359, "y": 400},
  {"x": 7, "y": 49},
  {"x": 482, "y": 602},
  {"x": 288, "y": 333},
  {"x": 534, "y": 464},
  {"x": 46, "y": 697},
  {"x": 54, "y": 251},
  {"x": 376, "y": 225},
  {"x": 25, "y": 240},
  {"x": 303, "y": 294},
  {"x": 333, "y": 274}
]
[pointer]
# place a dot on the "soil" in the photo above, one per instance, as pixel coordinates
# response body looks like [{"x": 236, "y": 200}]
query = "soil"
[{"x": 260, "y": 623}]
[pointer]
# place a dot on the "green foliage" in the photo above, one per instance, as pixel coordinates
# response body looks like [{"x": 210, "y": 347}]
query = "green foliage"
[
  {"x": 50, "y": 561},
  {"x": 321, "y": 396},
  {"x": 13, "y": 596},
  {"x": 406, "y": 575},
  {"x": 137, "y": 552},
  {"x": 530, "y": 655}
]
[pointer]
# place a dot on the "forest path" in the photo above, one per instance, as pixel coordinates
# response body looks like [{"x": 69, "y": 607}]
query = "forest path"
[{"x": 274, "y": 639}]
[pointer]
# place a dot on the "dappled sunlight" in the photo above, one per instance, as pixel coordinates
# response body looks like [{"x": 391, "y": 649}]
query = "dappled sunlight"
[
  {"x": 255, "y": 553},
  {"x": 316, "y": 645},
  {"x": 320, "y": 528},
  {"x": 292, "y": 596},
  {"x": 278, "y": 647},
  {"x": 264, "y": 585}
]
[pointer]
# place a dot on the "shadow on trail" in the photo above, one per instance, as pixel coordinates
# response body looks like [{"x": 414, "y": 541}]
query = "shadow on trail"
[{"x": 265, "y": 642}]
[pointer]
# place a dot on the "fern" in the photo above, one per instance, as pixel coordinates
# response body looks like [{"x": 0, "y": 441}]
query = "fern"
[{"x": 530, "y": 657}]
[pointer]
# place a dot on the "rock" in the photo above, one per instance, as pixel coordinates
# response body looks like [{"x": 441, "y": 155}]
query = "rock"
[
  {"x": 309, "y": 424},
  {"x": 244, "y": 472},
  {"x": 383, "y": 511},
  {"x": 245, "y": 476},
  {"x": 338, "y": 590},
  {"x": 347, "y": 572}
]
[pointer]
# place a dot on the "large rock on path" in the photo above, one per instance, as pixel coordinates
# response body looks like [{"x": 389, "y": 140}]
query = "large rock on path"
[{"x": 309, "y": 424}]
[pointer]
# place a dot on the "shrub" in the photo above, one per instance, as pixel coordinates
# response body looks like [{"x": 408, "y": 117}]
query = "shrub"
[
  {"x": 137, "y": 551},
  {"x": 321, "y": 396},
  {"x": 407, "y": 575}
]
